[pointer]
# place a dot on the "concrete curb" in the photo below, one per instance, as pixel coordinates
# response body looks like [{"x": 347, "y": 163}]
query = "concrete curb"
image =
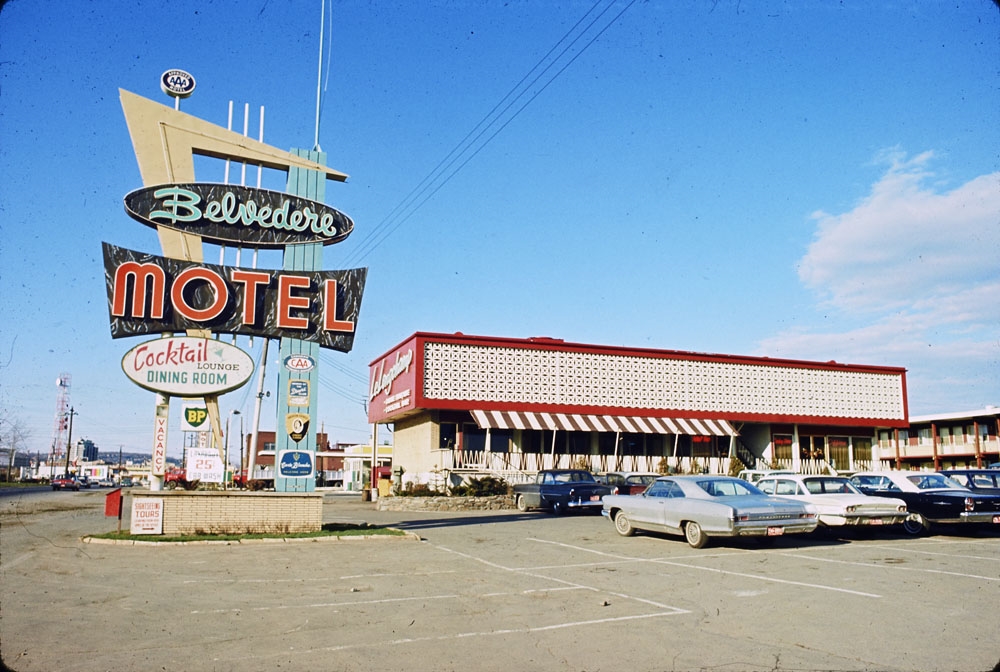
[{"x": 406, "y": 536}]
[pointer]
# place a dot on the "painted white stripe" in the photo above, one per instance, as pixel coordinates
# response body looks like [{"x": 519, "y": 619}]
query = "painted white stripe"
[
  {"x": 758, "y": 577},
  {"x": 895, "y": 567}
]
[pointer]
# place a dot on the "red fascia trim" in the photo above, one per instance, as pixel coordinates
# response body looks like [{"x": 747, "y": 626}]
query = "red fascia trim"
[
  {"x": 553, "y": 344},
  {"x": 468, "y": 406}
]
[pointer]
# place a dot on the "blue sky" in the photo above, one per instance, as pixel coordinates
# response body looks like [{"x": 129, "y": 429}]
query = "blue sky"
[{"x": 810, "y": 180}]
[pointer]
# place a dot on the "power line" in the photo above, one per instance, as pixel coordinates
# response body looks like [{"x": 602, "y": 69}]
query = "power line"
[{"x": 427, "y": 188}]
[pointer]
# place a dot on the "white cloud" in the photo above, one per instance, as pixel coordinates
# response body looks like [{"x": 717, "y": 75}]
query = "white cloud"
[
  {"x": 905, "y": 240},
  {"x": 911, "y": 276}
]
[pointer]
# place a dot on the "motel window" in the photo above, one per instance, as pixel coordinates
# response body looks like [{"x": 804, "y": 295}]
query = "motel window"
[
  {"x": 500, "y": 440},
  {"x": 701, "y": 446},
  {"x": 862, "y": 448},
  {"x": 925, "y": 435},
  {"x": 531, "y": 441},
  {"x": 579, "y": 443},
  {"x": 631, "y": 444},
  {"x": 782, "y": 446},
  {"x": 473, "y": 438},
  {"x": 839, "y": 456},
  {"x": 269, "y": 445},
  {"x": 606, "y": 443},
  {"x": 449, "y": 436}
]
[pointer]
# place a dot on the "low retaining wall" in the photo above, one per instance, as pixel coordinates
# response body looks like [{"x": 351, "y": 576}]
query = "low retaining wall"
[
  {"x": 236, "y": 512},
  {"x": 495, "y": 503}
]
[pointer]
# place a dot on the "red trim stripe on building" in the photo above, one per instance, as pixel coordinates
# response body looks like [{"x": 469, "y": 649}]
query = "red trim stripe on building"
[{"x": 601, "y": 423}]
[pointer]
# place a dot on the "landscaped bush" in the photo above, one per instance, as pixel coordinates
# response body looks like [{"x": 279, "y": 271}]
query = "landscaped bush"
[
  {"x": 420, "y": 490},
  {"x": 487, "y": 486}
]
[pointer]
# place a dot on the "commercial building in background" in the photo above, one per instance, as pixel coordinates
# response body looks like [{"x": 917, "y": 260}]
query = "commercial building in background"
[{"x": 505, "y": 406}]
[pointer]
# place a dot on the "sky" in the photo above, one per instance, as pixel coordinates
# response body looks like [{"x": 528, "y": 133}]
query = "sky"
[{"x": 806, "y": 180}]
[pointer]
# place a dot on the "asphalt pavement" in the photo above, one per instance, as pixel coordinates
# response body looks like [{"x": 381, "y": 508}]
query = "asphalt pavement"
[{"x": 488, "y": 591}]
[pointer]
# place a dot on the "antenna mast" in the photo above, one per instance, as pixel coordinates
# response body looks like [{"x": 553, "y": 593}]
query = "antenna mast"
[
  {"x": 61, "y": 418},
  {"x": 319, "y": 72}
]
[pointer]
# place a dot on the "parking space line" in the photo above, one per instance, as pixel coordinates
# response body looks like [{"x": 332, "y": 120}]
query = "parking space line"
[
  {"x": 322, "y": 579},
  {"x": 727, "y": 572},
  {"x": 531, "y": 572},
  {"x": 324, "y": 605},
  {"x": 492, "y": 633},
  {"x": 896, "y": 567},
  {"x": 947, "y": 555}
]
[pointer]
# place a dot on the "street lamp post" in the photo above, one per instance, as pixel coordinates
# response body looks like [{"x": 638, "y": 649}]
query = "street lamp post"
[
  {"x": 225, "y": 464},
  {"x": 69, "y": 437}
]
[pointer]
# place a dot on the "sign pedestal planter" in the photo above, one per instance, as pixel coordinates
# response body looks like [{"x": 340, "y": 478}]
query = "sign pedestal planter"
[{"x": 235, "y": 512}]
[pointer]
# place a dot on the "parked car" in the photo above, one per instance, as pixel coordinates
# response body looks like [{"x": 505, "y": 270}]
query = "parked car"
[
  {"x": 627, "y": 482},
  {"x": 65, "y": 482},
  {"x": 977, "y": 480},
  {"x": 85, "y": 482},
  {"x": 836, "y": 500},
  {"x": 105, "y": 483},
  {"x": 699, "y": 507},
  {"x": 560, "y": 490},
  {"x": 754, "y": 475},
  {"x": 930, "y": 498}
]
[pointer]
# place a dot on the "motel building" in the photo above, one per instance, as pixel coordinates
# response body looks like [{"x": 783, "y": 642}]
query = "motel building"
[
  {"x": 946, "y": 440},
  {"x": 466, "y": 406}
]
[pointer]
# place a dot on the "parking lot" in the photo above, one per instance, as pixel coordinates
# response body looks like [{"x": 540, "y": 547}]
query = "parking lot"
[{"x": 489, "y": 591}]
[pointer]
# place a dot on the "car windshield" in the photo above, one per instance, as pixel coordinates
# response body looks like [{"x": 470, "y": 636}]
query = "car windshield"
[
  {"x": 728, "y": 487},
  {"x": 644, "y": 479},
  {"x": 827, "y": 485},
  {"x": 933, "y": 482}
]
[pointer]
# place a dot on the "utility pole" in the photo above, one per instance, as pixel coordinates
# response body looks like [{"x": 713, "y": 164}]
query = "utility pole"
[{"x": 69, "y": 437}]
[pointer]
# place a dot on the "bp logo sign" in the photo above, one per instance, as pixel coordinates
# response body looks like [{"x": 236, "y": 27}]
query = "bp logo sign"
[{"x": 194, "y": 418}]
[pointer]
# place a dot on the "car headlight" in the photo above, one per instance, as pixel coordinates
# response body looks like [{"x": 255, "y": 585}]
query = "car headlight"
[
  {"x": 901, "y": 508},
  {"x": 852, "y": 509}
]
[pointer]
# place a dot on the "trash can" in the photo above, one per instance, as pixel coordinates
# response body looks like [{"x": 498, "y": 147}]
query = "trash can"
[{"x": 366, "y": 493}]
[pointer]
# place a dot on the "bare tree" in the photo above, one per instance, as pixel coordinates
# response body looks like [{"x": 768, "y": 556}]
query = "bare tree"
[{"x": 13, "y": 435}]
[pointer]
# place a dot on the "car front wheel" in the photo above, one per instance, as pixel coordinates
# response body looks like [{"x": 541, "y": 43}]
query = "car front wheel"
[
  {"x": 623, "y": 525},
  {"x": 695, "y": 537},
  {"x": 916, "y": 525},
  {"x": 521, "y": 504}
]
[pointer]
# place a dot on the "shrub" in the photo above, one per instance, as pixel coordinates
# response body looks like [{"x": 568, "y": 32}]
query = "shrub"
[
  {"x": 487, "y": 486},
  {"x": 420, "y": 490},
  {"x": 735, "y": 466}
]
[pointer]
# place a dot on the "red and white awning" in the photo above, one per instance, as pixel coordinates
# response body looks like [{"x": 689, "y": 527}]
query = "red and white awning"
[{"x": 601, "y": 423}]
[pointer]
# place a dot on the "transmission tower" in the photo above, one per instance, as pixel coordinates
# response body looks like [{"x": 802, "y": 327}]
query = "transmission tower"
[{"x": 61, "y": 421}]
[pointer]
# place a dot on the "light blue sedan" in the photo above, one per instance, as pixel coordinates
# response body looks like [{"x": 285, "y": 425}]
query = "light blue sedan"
[{"x": 700, "y": 507}]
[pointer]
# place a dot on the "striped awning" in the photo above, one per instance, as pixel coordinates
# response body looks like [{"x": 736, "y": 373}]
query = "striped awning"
[{"x": 601, "y": 423}]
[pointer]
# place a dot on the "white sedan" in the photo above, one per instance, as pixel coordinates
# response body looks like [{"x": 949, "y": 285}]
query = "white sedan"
[{"x": 836, "y": 500}]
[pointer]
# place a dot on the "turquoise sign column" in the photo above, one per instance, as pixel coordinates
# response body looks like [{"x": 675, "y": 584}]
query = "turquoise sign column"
[{"x": 295, "y": 441}]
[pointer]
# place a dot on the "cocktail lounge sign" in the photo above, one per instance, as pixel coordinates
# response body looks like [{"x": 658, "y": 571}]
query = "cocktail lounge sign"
[
  {"x": 152, "y": 294},
  {"x": 227, "y": 213},
  {"x": 187, "y": 366}
]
